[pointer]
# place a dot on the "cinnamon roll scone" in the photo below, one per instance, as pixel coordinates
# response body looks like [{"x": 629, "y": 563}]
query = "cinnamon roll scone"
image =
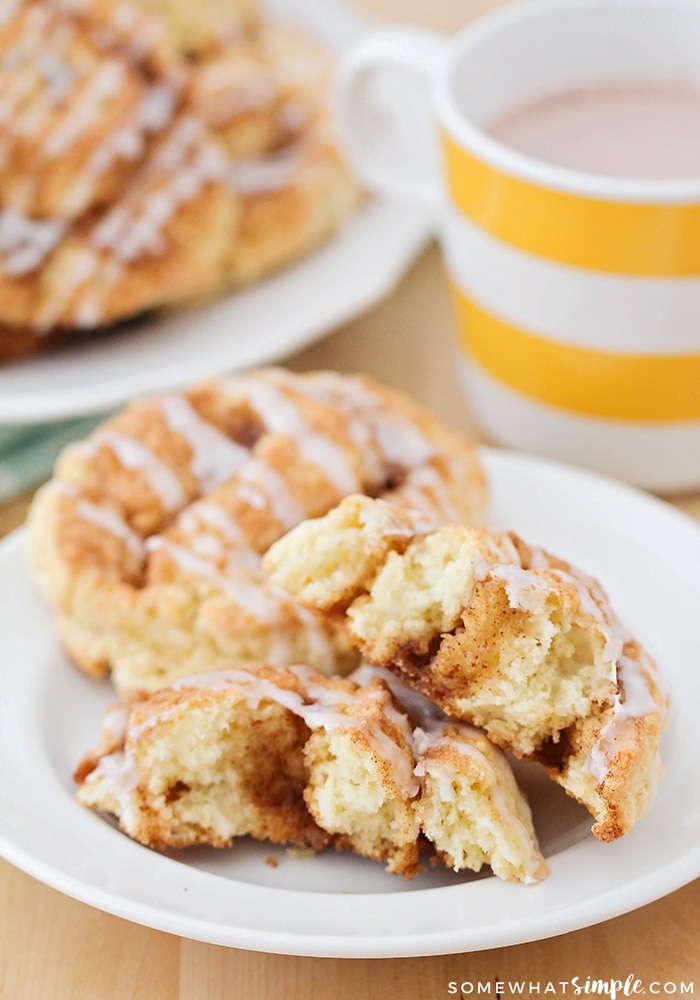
[
  {"x": 114, "y": 196},
  {"x": 287, "y": 755},
  {"x": 265, "y": 96},
  {"x": 148, "y": 540},
  {"x": 133, "y": 178},
  {"x": 499, "y": 634}
]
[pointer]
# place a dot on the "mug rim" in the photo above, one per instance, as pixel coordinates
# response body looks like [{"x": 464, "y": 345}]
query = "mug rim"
[{"x": 484, "y": 147}]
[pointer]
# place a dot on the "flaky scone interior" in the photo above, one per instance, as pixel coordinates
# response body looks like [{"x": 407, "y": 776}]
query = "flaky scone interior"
[
  {"x": 287, "y": 755},
  {"x": 499, "y": 634}
]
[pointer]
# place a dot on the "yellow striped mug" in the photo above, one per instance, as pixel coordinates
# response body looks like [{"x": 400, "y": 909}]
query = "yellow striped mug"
[{"x": 577, "y": 295}]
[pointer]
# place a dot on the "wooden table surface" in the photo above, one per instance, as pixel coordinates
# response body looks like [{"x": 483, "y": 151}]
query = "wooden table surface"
[{"x": 55, "y": 948}]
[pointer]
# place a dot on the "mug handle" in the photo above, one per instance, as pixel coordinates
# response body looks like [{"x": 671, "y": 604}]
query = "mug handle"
[{"x": 378, "y": 145}]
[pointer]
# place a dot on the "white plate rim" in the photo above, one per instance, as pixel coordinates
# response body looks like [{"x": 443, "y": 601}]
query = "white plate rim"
[{"x": 379, "y": 924}]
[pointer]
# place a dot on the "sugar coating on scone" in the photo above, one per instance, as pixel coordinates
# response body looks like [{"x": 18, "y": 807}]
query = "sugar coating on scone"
[
  {"x": 247, "y": 751},
  {"x": 499, "y": 634},
  {"x": 148, "y": 541}
]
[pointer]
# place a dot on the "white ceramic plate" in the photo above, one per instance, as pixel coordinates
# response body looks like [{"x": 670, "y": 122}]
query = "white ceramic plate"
[
  {"x": 257, "y": 325},
  {"x": 646, "y": 553}
]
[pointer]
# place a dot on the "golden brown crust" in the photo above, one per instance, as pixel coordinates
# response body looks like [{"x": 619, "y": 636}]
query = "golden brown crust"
[{"x": 610, "y": 762}]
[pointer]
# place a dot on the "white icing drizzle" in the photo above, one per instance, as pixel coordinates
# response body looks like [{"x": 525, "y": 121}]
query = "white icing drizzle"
[
  {"x": 282, "y": 415},
  {"x": 134, "y": 454},
  {"x": 88, "y": 311},
  {"x": 102, "y": 517},
  {"x": 230, "y": 540},
  {"x": 125, "y": 17},
  {"x": 58, "y": 75},
  {"x": 25, "y": 243},
  {"x": 321, "y": 707},
  {"x": 501, "y": 548},
  {"x": 402, "y": 442},
  {"x": 157, "y": 107},
  {"x": 293, "y": 116},
  {"x": 233, "y": 581},
  {"x": 426, "y": 491},
  {"x": 382, "y": 518},
  {"x": 634, "y": 700},
  {"x": 31, "y": 39},
  {"x": 61, "y": 486},
  {"x": 48, "y": 77},
  {"x": 400, "y": 761},
  {"x": 116, "y": 722},
  {"x": 420, "y": 710},
  {"x": 397, "y": 717},
  {"x": 426, "y": 741},
  {"x": 127, "y": 27},
  {"x": 273, "y": 172},
  {"x": 386, "y": 439},
  {"x": 260, "y": 484},
  {"x": 528, "y": 588},
  {"x": 126, "y": 142},
  {"x": 383, "y": 440},
  {"x": 81, "y": 268},
  {"x": 206, "y": 512},
  {"x": 118, "y": 775},
  {"x": 182, "y": 166},
  {"x": 252, "y": 495},
  {"x": 215, "y": 458},
  {"x": 86, "y": 108},
  {"x": 426, "y": 738},
  {"x": 227, "y": 102},
  {"x": 112, "y": 523},
  {"x": 138, "y": 33},
  {"x": 12, "y": 96},
  {"x": 323, "y": 711},
  {"x": 358, "y": 405}
]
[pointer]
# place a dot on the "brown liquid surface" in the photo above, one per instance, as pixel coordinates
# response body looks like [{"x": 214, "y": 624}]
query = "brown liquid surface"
[{"x": 648, "y": 132}]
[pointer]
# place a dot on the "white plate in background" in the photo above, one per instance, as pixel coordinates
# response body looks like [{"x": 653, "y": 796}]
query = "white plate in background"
[
  {"x": 647, "y": 556},
  {"x": 268, "y": 321}
]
